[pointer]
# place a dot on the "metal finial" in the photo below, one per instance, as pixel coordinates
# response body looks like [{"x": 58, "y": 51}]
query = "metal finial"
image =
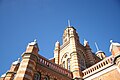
[
  {"x": 18, "y": 60},
  {"x": 85, "y": 42},
  {"x": 111, "y": 41},
  {"x": 68, "y": 23},
  {"x": 96, "y": 46},
  {"x": 35, "y": 40}
]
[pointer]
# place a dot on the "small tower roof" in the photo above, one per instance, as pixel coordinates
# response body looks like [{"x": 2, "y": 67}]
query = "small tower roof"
[
  {"x": 98, "y": 50},
  {"x": 113, "y": 44}
]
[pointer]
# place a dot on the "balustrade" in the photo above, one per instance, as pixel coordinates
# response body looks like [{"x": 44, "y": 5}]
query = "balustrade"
[
  {"x": 101, "y": 64},
  {"x": 54, "y": 66}
]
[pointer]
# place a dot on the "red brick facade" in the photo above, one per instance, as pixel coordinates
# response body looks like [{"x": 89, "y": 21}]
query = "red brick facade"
[{"x": 72, "y": 60}]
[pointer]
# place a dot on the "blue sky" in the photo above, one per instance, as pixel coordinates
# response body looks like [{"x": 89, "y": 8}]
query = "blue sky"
[{"x": 22, "y": 21}]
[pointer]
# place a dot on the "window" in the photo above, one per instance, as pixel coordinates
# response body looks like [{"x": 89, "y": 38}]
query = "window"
[
  {"x": 82, "y": 64},
  {"x": 68, "y": 63},
  {"x": 65, "y": 55},
  {"x": 46, "y": 78},
  {"x": 37, "y": 76},
  {"x": 64, "y": 64},
  {"x": 13, "y": 77},
  {"x": 82, "y": 61}
]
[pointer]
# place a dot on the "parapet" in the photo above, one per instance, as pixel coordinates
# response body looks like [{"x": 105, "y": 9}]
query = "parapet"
[{"x": 107, "y": 62}]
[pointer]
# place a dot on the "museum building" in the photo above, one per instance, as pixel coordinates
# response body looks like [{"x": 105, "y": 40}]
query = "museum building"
[{"x": 71, "y": 61}]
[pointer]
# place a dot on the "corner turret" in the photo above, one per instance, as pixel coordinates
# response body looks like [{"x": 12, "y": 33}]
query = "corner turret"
[
  {"x": 115, "y": 50},
  {"x": 57, "y": 52}
]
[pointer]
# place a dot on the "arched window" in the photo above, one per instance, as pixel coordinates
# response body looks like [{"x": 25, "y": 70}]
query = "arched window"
[
  {"x": 68, "y": 63},
  {"x": 82, "y": 64},
  {"x": 46, "y": 78},
  {"x": 64, "y": 64},
  {"x": 37, "y": 76},
  {"x": 13, "y": 76},
  {"x": 82, "y": 61}
]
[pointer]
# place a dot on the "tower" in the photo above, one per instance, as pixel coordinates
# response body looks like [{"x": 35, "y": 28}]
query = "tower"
[
  {"x": 27, "y": 66},
  {"x": 68, "y": 55}
]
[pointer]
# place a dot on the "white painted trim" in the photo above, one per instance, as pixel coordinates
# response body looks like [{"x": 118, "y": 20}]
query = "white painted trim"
[{"x": 99, "y": 73}]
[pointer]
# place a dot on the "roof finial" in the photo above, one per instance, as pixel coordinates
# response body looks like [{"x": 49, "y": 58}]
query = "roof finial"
[
  {"x": 111, "y": 41},
  {"x": 68, "y": 23},
  {"x": 96, "y": 46},
  {"x": 85, "y": 42},
  {"x": 35, "y": 40}
]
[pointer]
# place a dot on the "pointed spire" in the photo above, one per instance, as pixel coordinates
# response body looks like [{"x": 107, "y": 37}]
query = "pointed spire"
[
  {"x": 69, "y": 23},
  {"x": 96, "y": 46}
]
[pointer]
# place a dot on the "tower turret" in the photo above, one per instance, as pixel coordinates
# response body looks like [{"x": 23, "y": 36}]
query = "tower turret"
[
  {"x": 99, "y": 53},
  {"x": 115, "y": 50},
  {"x": 68, "y": 33},
  {"x": 69, "y": 53},
  {"x": 57, "y": 52}
]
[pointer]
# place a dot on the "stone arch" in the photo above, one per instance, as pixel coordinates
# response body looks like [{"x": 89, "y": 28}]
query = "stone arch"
[
  {"x": 64, "y": 56},
  {"x": 46, "y": 77},
  {"x": 37, "y": 76}
]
